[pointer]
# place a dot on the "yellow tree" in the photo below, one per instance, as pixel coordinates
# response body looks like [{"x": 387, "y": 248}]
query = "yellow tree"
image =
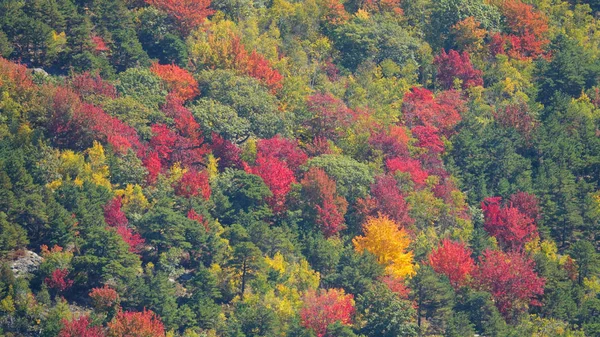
[{"x": 384, "y": 239}]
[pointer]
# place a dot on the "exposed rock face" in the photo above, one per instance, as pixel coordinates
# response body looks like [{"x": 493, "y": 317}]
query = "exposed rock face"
[{"x": 26, "y": 264}]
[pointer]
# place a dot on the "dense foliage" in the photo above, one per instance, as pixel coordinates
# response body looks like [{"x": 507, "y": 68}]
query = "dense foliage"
[{"x": 299, "y": 168}]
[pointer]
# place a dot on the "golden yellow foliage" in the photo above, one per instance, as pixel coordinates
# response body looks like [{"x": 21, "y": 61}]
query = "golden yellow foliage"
[{"x": 384, "y": 239}]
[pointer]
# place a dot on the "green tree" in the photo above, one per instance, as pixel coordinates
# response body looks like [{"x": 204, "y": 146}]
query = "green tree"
[{"x": 385, "y": 314}]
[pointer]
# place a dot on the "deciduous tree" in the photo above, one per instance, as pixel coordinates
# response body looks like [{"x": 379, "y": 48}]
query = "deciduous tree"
[
  {"x": 189, "y": 14},
  {"x": 80, "y": 327},
  {"x": 507, "y": 223},
  {"x": 136, "y": 324},
  {"x": 384, "y": 239},
  {"x": 321, "y": 194},
  {"x": 320, "y": 309},
  {"x": 454, "y": 65},
  {"x": 510, "y": 278},
  {"x": 179, "y": 81},
  {"x": 454, "y": 260}
]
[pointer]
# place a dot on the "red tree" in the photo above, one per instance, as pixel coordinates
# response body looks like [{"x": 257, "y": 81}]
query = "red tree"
[
  {"x": 189, "y": 14},
  {"x": 185, "y": 144},
  {"x": 283, "y": 149},
  {"x": 527, "y": 204},
  {"x": 454, "y": 260},
  {"x": 509, "y": 225},
  {"x": 193, "y": 183},
  {"x": 453, "y": 65},
  {"x": 163, "y": 143},
  {"x": 277, "y": 176},
  {"x": 153, "y": 165},
  {"x": 86, "y": 85},
  {"x": 136, "y": 324},
  {"x": 324, "y": 308},
  {"x": 133, "y": 240},
  {"x": 179, "y": 81},
  {"x": 442, "y": 112},
  {"x": 329, "y": 116},
  {"x": 104, "y": 298},
  {"x": 99, "y": 44},
  {"x": 260, "y": 68},
  {"x": 321, "y": 195},
  {"x": 14, "y": 77},
  {"x": 58, "y": 280},
  {"x": 511, "y": 280},
  {"x": 115, "y": 218},
  {"x": 410, "y": 166},
  {"x": 527, "y": 30},
  {"x": 389, "y": 200},
  {"x": 113, "y": 215},
  {"x": 227, "y": 152},
  {"x": 392, "y": 143},
  {"x": 428, "y": 138},
  {"x": 80, "y": 327}
]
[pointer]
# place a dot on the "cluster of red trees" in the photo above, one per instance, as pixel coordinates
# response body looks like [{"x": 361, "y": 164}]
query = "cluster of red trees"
[
  {"x": 508, "y": 276},
  {"x": 527, "y": 31}
]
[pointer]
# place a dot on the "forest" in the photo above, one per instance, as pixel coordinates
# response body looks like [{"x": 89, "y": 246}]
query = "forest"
[{"x": 302, "y": 168}]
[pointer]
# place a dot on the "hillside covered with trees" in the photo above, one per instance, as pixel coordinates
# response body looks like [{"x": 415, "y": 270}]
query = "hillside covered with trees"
[{"x": 302, "y": 168}]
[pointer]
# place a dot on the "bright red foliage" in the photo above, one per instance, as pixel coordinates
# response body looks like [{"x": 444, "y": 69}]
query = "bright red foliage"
[
  {"x": 508, "y": 224},
  {"x": 104, "y": 298},
  {"x": 428, "y": 138},
  {"x": 163, "y": 143},
  {"x": 453, "y": 65},
  {"x": 113, "y": 215},
  {"x": 454, "y": 260},
  {"x": 389, "y": 200},
  {"x": 283, "y": 149},
  {"x": 260, "y": 68},
  {"x": 178, "y": 80},
  {"x": 277, "y": 176},
  {"x": 321, "y": 195},
  {"x": 153, "y": 165},
  {"x": 410, "y": 166},
  {"x": 136, "y": 324},
  {"x": 511, "y": 280},
  {"x": 80, "y": 327},
  {"x": 325, "y": 308},
  {"x": 133, "y": 240},
  {"x": 329, "y": 116},
  {"x": 106, "y": 128},
  {"x": 184, "y": 145},
  {"x": 193, "y": 183},
  {"x": 442, "y": 112},
  {"x": 58, "y": 280},
  {"x": 189, "y": 14}
]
